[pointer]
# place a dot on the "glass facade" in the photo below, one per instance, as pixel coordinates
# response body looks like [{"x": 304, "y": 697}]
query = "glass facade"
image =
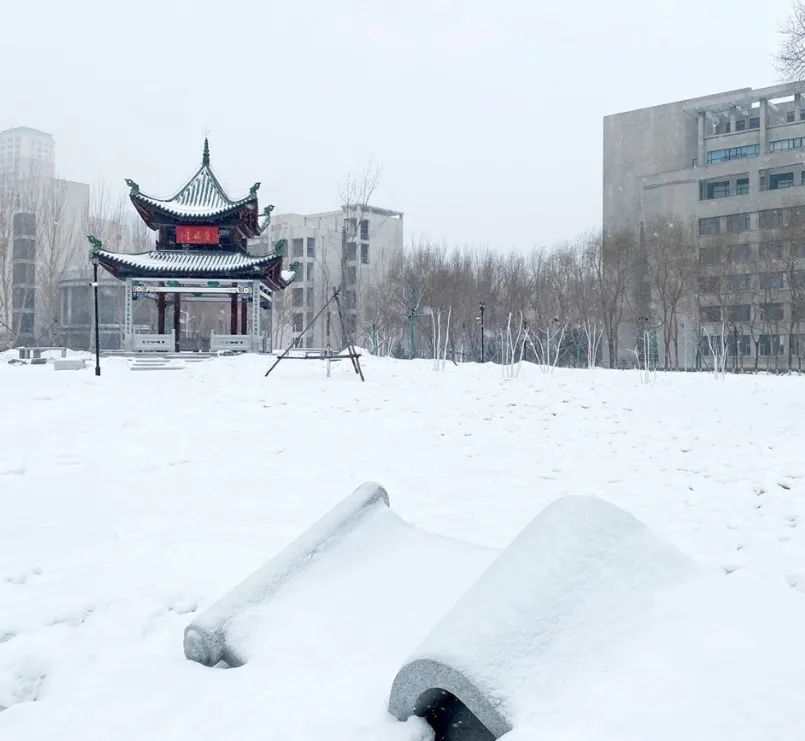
[
  {"x": 733, "y": 153},
  {"x": 783, "y": 144}
]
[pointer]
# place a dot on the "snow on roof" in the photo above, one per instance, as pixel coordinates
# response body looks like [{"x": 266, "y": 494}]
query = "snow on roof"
[
  {"x": 187, "y": 260},
  {"x": 202, "y": 195}
]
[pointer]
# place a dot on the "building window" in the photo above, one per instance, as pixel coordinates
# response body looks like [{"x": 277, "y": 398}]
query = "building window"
[
  {"x": 708, "y": 255},
  {"x": 351, "y": 227},
  {"x": 738, "y": 253},
  {"x": 795, "y": 216},
  {"x": 733, "y": 153},
  {"x": 352, "y": 276},
  {"x": 311, "y": 247},
  {"x": 297, "y": 248},
  {"x": 771, "y": 282},
  {"x": 738, "y": 223},
  {"x": 711, "y": 313},
  {"x": 771, "y": 312},
  {"x": 789, "y": 116},
  {"x": 770, "y": 344},
  {"x": 745, "y": 347},
  {"x": 298, "y": 297},
  {"x": 364, "y": 229},
  {"x": 740, "y": 124},
  {"x": 352, "y": 252},
  {"x": 709, "y": 284},
  {"x": 710, "y": 225},
  {"x": 719, "y": 189},
  {"x": 350, "y": 299},
  {"x": 365, "y": 253},
  {"x": 742, "y": 186},
  {"x": 754, "y": 122},
  {"x": 770, "y": 250},
  {"x": 781, "y": 180},
  {"x": 771, "y": 218},
  {"x": 298, "y": 322},
  {"x": 738, "y": 282},
  {"x": 797, "y": 250},
  {"x": 782, "y": 144},
  {"x": 739, "y": 313}
]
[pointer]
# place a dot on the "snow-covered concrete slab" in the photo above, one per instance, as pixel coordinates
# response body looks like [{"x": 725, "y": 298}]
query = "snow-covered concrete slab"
[
  {"x": 588, "y": 605},
  {"x": 206, "y": 639}
]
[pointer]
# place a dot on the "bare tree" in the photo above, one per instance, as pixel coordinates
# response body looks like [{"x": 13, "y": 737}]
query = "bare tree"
[
  {"x": 8, "y": 207},
  {"x": 59, "y": 227},
  {"x": 671, "y": 257},
  {"x": 791, "y": 54},
  {"x": 612, "y": 257}
]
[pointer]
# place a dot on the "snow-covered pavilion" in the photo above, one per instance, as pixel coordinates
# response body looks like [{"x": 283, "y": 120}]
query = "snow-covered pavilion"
[{"x": 201, "y": 254}]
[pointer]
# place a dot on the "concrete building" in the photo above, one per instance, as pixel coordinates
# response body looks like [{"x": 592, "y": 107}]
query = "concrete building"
[
  {"x": 353, "y": 248},
  {"x": 42, "y": 231},
  {"x": 26, "y": 152},
  {"x": 733, "y": 165}
]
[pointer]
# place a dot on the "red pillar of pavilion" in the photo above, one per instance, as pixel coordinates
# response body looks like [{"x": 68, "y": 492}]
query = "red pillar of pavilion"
[
  {"x": 233, "y": 313},
  {"x": 244, "y": 313},
  {"x": 177, "y": 317}
]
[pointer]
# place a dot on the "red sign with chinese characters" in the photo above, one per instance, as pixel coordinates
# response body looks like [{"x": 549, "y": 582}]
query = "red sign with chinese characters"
[{"x": 196, "y": 235}]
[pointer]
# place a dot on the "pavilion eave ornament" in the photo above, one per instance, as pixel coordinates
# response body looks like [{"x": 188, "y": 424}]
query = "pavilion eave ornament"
[
  {"x": 267, "y": 215},
  {"x": 96, "y": 246},
  {"x": 135, "y": 188}
]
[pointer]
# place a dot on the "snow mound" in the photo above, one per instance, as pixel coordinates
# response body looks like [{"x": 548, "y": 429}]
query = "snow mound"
[
  {"x": 589, "y": 607},
  {"x": 206, "y": 639},
  {"x": 581, "y": 564}
]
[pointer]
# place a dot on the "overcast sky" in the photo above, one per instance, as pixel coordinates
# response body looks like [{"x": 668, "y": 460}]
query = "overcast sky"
[{"x": 485, "y": 116}]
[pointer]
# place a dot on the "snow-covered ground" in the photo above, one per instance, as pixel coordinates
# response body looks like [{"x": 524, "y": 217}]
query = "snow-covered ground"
[{"x": 132, "y": 501}]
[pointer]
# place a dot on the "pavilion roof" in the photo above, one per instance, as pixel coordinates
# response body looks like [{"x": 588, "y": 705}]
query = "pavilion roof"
[
  {"x": 194, "y": 264},
  {"x": 202, "y": 196}
]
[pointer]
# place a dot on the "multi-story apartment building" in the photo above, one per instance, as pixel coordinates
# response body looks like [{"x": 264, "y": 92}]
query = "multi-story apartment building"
[
  {"x": 351, "y": 248},
  {"x": 26, "y": 152},
  {"x": 42, "y": 232},
  {"x": 732, "y": 165}
]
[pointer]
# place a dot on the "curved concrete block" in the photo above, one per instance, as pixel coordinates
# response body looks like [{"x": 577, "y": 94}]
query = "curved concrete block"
[
  {"x": 570, "y": 581},
  {"x": 205, "y": 639}
]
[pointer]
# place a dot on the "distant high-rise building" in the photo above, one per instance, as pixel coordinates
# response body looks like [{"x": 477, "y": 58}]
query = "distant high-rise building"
[
  {"x": 26, "y": 152},
  {"x": 43, "y": 222}
]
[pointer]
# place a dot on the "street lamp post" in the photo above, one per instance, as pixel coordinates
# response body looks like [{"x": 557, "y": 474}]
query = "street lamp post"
[
  {"x": 483, "y": 309},
  {"x": 97, "y": 328}
]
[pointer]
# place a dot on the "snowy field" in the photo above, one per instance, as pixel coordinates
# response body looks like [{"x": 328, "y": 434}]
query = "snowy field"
[{"x": 131, "y": 502}]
